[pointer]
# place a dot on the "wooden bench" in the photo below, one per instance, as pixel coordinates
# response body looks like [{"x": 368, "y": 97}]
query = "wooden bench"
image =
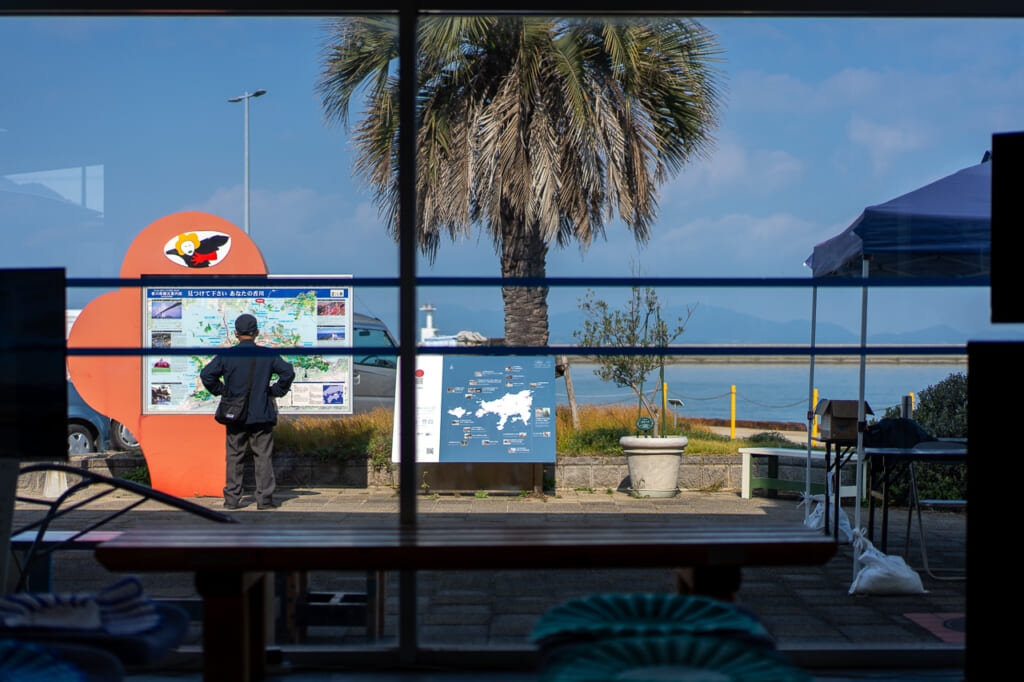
[
  {"x": 40, "y": 566},
  {"x": 772, "y": 481},
  {"x": 299, "y": 607},
  {"x": 232, "y": 563}
]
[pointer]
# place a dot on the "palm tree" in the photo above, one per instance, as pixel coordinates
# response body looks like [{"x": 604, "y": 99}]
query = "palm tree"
[{"x": 540, "y": 129}]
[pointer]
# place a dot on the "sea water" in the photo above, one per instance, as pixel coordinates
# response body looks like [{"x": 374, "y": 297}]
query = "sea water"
[{"x": 764, "y": 392}]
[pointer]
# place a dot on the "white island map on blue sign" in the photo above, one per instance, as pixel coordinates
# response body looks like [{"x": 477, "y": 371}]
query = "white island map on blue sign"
[
  {"x": 498, "y": 409},
  {"x": 517, "y": 405}
]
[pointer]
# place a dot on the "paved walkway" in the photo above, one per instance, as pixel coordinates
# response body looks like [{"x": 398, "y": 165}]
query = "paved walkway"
[{"x": 802, "y": 607}]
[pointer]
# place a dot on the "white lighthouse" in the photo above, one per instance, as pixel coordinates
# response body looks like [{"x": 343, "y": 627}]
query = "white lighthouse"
[{"x": 428, "y": 331}]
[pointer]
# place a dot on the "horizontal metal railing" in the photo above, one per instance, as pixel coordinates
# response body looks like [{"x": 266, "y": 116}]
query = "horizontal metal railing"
[{"x": 669, "y": 282}]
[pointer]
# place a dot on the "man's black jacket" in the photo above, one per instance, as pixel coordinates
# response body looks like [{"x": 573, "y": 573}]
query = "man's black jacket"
[{"x": 233, "y": 366}]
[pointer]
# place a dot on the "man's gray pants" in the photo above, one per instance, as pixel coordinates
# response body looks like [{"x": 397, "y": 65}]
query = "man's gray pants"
[{"x": 260, "y": 438}]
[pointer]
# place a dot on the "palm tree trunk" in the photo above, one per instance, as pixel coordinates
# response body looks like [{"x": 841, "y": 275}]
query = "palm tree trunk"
[{"x": 524, "y": 254}]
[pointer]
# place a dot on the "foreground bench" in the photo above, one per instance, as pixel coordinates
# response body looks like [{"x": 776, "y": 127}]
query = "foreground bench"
[
  {"x": 298, "y": 606},
  {"x": 38, "y": 574},
  {"x": 232, "y": 563}
]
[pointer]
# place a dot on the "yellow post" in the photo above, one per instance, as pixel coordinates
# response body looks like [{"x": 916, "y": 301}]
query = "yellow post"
[
  {"x": 913, "y": 402},
  {"x": 815, "y": 433},
  {"x": 732, "y": 419},
  {"x": 664, "y": 404}
]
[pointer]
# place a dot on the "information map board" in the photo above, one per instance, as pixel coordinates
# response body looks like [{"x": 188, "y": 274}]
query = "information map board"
[
  {"x": 204, "y": 317},
  {"x": 483, "y": 409}
]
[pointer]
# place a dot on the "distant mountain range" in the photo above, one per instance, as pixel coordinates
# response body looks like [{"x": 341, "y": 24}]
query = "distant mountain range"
[{"x": 711, "y": 325}]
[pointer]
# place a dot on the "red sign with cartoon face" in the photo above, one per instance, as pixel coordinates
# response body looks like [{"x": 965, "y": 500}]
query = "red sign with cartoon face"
[{"x": 184, "y": 453}]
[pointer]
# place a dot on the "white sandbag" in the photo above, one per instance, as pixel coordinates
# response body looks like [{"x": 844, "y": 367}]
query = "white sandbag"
[
  {"x": 816, "y": 519},
  {"x": 881, "y": 573}
]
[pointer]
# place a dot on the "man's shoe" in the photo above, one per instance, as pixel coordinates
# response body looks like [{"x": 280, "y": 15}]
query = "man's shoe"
[
  {"x": 267, "y": 505},
  {"x": 232, "y": 505}
]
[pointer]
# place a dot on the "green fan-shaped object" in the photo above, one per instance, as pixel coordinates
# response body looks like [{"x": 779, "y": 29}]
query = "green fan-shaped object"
[
  {"x": 656, "y": 659},
  {"x": 624, "y": 615}
]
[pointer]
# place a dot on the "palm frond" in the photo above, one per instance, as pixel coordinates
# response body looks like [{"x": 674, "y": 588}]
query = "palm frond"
[{"x": 550, "y": 127}]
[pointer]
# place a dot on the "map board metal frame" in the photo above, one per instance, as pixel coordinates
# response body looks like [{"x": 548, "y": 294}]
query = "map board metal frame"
[{"x": 289, "y": 317}]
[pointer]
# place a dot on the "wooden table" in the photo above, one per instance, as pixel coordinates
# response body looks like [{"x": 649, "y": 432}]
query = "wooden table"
[{"x": 231, "y": 562}]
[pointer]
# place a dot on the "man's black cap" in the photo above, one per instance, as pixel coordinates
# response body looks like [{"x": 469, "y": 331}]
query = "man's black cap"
[{"x": 246, "y": 325}]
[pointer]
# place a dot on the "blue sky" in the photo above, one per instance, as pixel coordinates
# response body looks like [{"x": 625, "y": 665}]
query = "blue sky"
[{"x": 822, "y": 117}]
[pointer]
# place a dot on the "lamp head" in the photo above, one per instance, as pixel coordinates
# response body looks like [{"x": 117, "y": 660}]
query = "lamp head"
[{"x": 241, "y": 98}]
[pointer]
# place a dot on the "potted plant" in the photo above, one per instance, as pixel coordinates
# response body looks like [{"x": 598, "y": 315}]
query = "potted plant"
[{"x": 653, "y": 460}]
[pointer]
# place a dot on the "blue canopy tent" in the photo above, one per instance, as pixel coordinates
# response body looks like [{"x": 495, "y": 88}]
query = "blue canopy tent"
[{"x": 940, "y": 230}]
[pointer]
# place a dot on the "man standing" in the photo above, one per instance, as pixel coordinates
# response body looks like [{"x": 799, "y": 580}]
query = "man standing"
[{"x": 235, "y": 366}]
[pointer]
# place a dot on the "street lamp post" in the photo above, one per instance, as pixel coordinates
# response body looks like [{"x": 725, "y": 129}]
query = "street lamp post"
[{"x": 245, "y": 98}]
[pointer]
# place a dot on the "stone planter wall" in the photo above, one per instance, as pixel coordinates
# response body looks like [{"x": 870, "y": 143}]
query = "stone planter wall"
[
  {"x": 697, "y": 472},
  {"x": 115, "y": 465}
]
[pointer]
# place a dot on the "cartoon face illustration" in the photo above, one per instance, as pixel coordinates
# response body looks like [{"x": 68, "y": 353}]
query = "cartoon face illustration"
[{"x": 198, "y": 249}]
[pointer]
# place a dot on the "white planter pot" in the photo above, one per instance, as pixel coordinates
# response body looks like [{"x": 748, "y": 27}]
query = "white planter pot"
[{"x": 653, "y": 464}]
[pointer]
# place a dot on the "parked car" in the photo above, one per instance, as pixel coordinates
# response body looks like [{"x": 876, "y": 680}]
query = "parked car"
[
  {"x": 88, "y": 430},
  {"x": 373, "y": 376},
  {"x": 121, "y": 438}
]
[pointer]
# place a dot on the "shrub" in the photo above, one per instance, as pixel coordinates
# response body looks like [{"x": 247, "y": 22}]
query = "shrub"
[
  {"x": 773, "y": 439},
  {"x": 941, "y": 410},
  {"x": 139, "y": 474}
]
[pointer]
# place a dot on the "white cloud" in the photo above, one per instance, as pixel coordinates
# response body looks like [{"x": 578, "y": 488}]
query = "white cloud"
[
  {"x": 756, "y": 91},
  {"x": 225, "y": 202},
  {"x": 302, "y": 231},
  {"x": 849, "y": 87},
  {"x": 768, "y": 92},
  {"x": 735, "y": 245},
  {"x": 734, "y": 168},
  {"x": 884, "y": 143}
]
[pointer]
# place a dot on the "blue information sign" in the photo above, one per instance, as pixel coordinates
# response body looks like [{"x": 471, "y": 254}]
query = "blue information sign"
[{"x": 485, "y": 409}]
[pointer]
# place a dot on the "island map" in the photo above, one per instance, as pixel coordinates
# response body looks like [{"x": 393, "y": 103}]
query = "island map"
[{"x": 203, "y": 317}]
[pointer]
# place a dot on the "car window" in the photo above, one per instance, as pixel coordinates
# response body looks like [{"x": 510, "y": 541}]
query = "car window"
[
  {"x": 372, "y": 337},
  {"x": 368, "y": 337}
]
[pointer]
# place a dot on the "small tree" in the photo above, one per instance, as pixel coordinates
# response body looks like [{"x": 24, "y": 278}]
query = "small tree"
[{"x": 639, "y": 324}]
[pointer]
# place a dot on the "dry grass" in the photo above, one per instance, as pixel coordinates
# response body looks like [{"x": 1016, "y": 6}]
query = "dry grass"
[
  {"x": 338, "y": 437},
  {"x": 601, "y": 426}
]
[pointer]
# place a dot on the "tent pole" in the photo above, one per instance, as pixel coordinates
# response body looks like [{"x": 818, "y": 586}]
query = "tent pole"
[
  {"x": 810, "y": 404},
  {"x": 861, "y": 416}
]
